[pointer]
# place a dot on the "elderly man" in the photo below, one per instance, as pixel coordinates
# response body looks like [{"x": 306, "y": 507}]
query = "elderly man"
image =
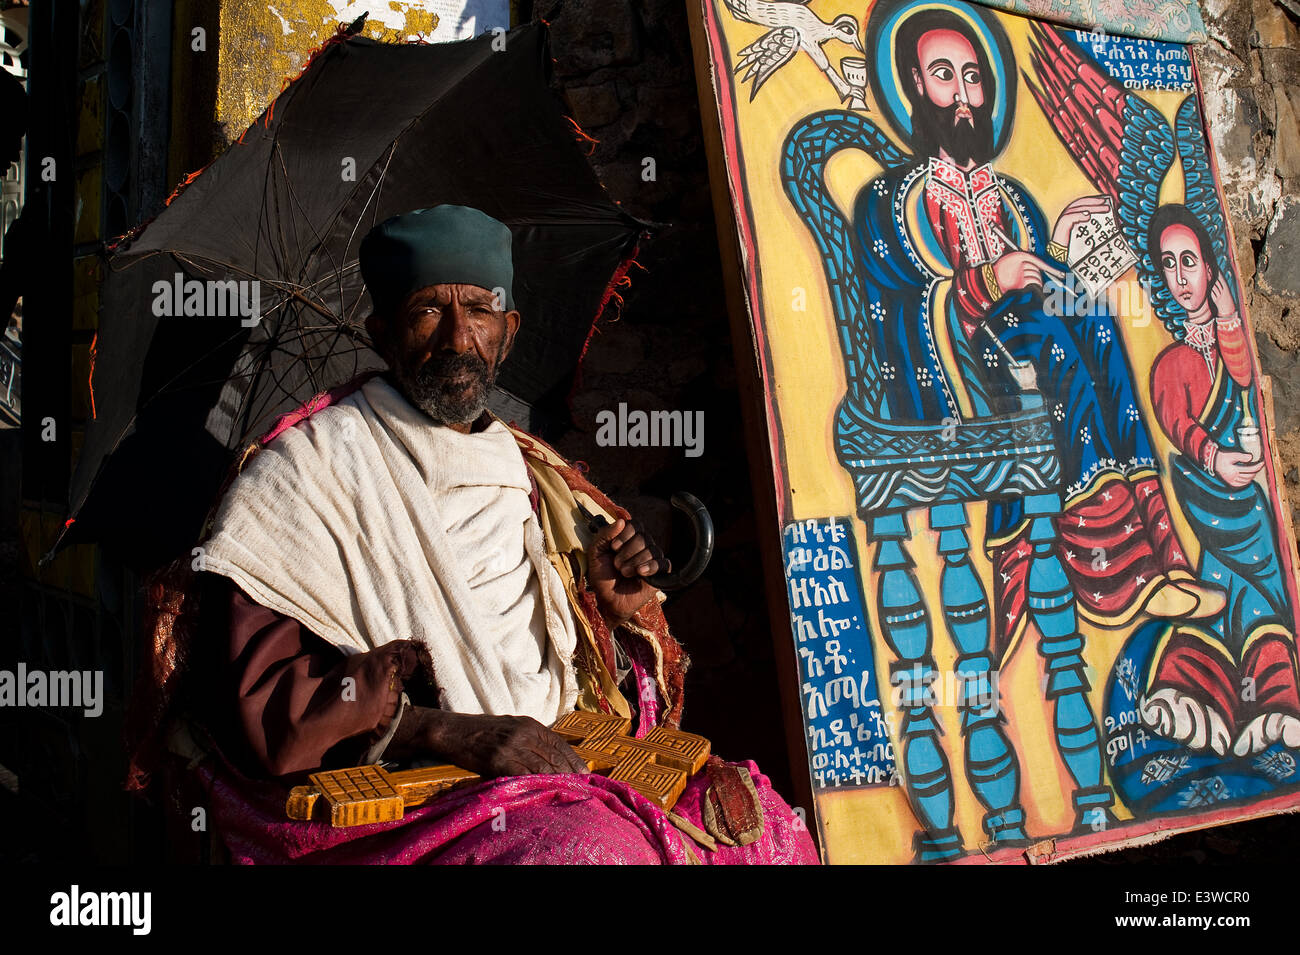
[{"x": 400, "y": 575}]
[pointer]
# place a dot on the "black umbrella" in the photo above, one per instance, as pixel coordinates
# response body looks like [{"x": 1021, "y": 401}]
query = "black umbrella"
[{"x": 367, "y": 130}]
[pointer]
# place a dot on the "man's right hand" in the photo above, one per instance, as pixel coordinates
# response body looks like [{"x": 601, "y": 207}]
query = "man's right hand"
[{"x": 497, "y": 745}]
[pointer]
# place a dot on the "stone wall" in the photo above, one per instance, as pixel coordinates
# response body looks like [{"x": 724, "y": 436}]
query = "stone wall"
[{"x": 1250, "y": 70}]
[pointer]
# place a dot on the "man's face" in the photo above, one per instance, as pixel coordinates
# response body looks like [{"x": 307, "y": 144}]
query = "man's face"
[
  {"x": 949, "y": 73},
  {"x": 445, "y": 344},
  {"x": 952, "y": 96}
]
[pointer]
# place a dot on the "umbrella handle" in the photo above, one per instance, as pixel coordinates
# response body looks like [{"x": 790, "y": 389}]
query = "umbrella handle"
[{"x": 701, "y": 523}]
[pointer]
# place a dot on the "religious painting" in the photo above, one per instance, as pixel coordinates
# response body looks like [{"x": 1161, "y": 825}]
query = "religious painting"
[{"x": 1040, "y": 579}]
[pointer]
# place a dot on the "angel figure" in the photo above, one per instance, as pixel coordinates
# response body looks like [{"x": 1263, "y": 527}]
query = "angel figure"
[
  {"x": 1229, "y": 680},
  {"x": 1237, "y": 685}
]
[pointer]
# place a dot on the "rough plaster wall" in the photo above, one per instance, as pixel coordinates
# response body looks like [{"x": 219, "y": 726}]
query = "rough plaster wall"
[
  {"x": 1250, "y": 70},
  {"x": 262, "y": 44}
]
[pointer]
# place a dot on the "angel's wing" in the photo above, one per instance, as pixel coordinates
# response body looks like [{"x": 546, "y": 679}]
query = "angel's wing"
[
  {"x": 766, "y": 55},
  {"x": 1120, "y": 141},
  {"x": 1199, "y": 192},
  {"x": 1083, "y": 104},
  {"x": 1145, "y": 158}
]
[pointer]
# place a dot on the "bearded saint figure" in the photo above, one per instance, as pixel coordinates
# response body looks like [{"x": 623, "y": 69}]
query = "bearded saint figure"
[{"x": 946, "y": 233}]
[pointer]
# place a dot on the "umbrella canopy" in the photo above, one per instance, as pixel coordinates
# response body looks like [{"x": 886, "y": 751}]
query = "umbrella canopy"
[{"x": 366, "y": 131}]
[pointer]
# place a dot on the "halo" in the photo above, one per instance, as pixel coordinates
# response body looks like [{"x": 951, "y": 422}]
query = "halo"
[{"x": 887, "y": 86}]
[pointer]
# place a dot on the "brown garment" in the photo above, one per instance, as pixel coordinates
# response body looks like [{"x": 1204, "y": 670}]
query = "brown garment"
[{"x": 292, "y": 710}]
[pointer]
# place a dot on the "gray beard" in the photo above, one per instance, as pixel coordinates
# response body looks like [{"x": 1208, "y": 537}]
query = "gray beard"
[{"x": 426, "y": 391}]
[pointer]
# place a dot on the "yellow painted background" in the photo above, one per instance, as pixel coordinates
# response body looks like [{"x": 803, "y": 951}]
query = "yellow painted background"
[{"x": 877, "y": 824}]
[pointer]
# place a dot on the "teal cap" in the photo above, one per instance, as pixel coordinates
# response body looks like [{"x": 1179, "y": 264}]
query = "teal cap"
[{"x": 445, "y": 244}]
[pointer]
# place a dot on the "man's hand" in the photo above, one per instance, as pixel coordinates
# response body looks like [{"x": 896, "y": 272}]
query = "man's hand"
[
  {"x": 493, "y": 745},
  {"x": 619, "y": 557},
  {"x": 1080, "y": 210},
  {"x": 1235, "y": 467}
]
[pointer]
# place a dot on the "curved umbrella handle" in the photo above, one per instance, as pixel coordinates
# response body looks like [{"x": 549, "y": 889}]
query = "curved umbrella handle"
[{"x": 701, "y": 523}]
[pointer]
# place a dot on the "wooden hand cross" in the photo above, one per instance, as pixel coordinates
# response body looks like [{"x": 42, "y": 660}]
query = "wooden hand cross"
[{"x": 657, "y": 767}]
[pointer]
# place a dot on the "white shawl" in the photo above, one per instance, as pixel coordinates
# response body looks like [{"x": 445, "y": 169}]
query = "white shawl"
[{"x": 368, "y": 523}]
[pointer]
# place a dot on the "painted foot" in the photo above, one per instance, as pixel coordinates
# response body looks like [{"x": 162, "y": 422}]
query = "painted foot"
[
  {"x": 1265, "y": 730},
  {"x": 1185, "y": 719},
  {"x": 1172, "y": 602},
  {"x": 1210, "y": 601}
]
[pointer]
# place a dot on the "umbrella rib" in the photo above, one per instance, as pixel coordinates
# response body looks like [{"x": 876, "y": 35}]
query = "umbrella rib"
[
  {"x": 252, "y": 358},
  {"x": 291, "y": 289},
  {"x": 246, "y": 410},
  {"x": 263, "y": 212},
  {"x": 374, "y": 195},
  {"x": 293, "y": 195},
  {"x": 357, "y": 222},
  {"x": 268, "y": 348},
  {"x": 335, "y": 269}
]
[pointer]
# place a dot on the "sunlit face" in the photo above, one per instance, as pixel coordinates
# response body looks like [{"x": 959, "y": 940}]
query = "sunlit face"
[
  {"x": 949, "y": 73},
  {"x": 1187, "y": 274},
  {"x": 445, "y": 344}
]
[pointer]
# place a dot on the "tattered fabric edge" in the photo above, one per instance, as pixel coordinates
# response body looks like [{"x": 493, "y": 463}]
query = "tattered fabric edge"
[
  {"x": 1146, "y": 19},
  {"x": 1049, "y": 856}
]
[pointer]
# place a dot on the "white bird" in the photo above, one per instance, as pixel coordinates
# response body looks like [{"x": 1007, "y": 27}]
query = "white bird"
[{"x": 793, "y": 27}]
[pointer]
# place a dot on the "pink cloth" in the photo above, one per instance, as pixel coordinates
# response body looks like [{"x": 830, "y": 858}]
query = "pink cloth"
[
  {"x": 538, "y": 820},
  {"x": 315, "y": 403}
]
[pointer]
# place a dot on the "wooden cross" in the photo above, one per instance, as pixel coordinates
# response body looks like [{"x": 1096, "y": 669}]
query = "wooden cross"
[{"x": 657, "y": 767}]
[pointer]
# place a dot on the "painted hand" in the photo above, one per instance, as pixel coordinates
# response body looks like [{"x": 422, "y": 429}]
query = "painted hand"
[
  {"x": 1235, "y": 467},
  {"x": 1221, "y": 297},
  {"x": 1080, "y": 210},
  {"x": 1017, "y": 270}
]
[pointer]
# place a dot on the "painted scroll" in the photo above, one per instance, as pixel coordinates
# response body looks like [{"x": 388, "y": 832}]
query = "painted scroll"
[{"x": 1042, "y": 592}]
